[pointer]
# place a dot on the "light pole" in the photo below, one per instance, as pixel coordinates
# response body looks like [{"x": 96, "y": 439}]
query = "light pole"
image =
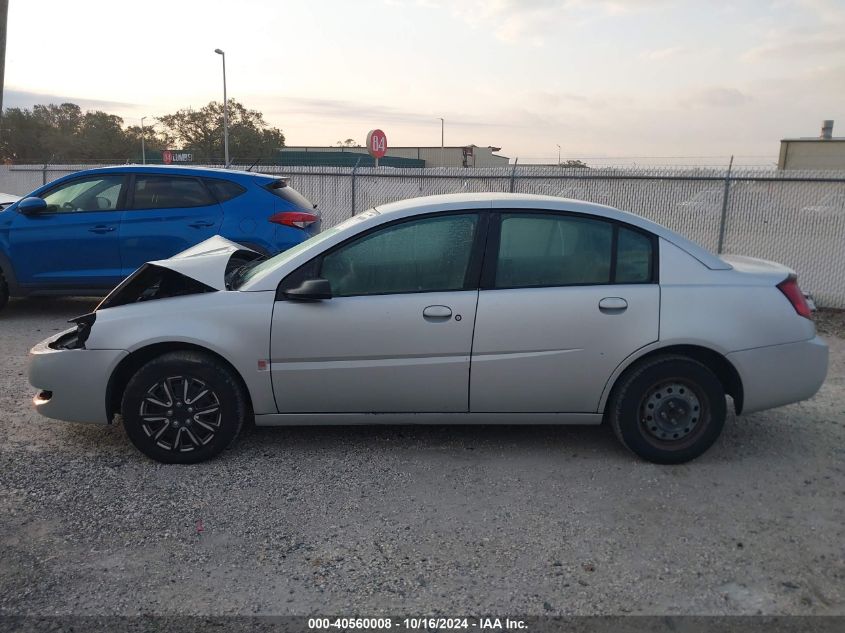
[
  {"x": 558, "y": 155},
  {"x": 143, "y": 149},
  {"x": 225, "y": 112},
  {"x": 442, "y": 125}
]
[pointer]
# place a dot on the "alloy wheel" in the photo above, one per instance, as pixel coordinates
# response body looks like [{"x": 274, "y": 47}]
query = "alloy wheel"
[{"x": 180, "y": 413}]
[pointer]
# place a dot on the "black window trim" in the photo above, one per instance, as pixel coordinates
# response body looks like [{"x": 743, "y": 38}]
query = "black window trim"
[
  {"x": 130, "y": 197},
  {"x": 488, "y": 275},
  {"x": 474, "y": 266},
  {"x": 121, "y": 198}
]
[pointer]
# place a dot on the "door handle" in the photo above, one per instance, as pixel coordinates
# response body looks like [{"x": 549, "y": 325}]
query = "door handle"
[
  {"x": 613, "y": 304},
  {"x": 101, "y": 228},
  {"x": 200, "y": 224},
  {"x": 437, "y": 312}
]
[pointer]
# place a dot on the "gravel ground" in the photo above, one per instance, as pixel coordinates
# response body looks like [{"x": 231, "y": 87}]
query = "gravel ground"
[{"x": 402, "y": 520}]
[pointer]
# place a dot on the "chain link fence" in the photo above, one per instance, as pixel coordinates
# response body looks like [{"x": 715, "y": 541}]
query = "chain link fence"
[{"x": 795, "y": 217}]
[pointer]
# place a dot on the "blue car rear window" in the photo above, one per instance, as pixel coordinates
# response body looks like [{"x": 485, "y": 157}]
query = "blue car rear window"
[
  {"x": 224, "y": 190},
  {"x": 281, "y": 189}
]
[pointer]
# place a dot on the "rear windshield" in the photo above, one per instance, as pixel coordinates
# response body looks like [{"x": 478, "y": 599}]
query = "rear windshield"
[{"x": 285, "y": 192}]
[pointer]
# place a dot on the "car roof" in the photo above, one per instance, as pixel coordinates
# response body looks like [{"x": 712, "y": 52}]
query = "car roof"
[{"x": 179, "y": 170}]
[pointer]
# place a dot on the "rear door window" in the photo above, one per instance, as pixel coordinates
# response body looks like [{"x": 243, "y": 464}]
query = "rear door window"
[
  {"x": 224, "y": 190},
  {"x": 170, "y": 192},
  {"x": 548, "y": 249},
  {"x": 552, "y": 250}
]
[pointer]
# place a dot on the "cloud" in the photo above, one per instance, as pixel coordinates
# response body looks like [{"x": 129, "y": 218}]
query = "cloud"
[
  {"x": 662, "y": 54},
  {"x": 340, "y": 109},
  {"x": 25, "y": 99},
  {"x": 791, "y": 45},
  {"x": 716, "y": 97},
  {"x": 533, "y": 20}
]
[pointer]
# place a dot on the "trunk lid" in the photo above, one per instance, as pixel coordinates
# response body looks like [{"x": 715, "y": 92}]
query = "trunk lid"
[{"x": 759, "y": 267}]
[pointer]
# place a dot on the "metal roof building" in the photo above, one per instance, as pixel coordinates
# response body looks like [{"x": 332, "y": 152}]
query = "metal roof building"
[
  {"x": 454, "y": 156},
  {"x": 824, "y": 152}
]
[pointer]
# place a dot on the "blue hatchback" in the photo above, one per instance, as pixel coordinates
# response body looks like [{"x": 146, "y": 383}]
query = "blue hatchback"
[{"x": 84, "y": 233}]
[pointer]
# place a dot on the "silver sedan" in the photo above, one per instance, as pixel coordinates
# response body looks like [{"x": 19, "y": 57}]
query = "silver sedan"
[{"x": 464, "y": 309}]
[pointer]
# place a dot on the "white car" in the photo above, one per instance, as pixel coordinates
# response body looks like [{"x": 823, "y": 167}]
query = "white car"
[
  {"x": 6, "y": 199},
  {"x": 466, "y": 308}
]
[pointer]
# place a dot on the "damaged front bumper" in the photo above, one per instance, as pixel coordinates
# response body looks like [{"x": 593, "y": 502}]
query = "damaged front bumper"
[{"x": 72, "y": 382}]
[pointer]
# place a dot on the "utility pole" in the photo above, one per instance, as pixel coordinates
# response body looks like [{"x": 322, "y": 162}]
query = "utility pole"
[
  {"x": 442, "y": 124},
  {"x": 225, "y": 112},
  {"x": 558, "y": 154},
  {"x": 143, "y": 149},
  {"x": 4, "y": 12}
]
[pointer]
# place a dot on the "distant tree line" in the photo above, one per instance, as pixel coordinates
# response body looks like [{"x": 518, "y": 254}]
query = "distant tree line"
[{"x": 63, "y": 133}]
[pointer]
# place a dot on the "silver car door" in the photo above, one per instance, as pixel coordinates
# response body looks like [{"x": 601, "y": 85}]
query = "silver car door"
[
  {"x": 396, "y": 334},
  {"x": 559, "y": 309}
]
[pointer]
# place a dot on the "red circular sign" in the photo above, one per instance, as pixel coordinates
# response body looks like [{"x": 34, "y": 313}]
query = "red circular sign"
[{"x": 376, "y": 143}]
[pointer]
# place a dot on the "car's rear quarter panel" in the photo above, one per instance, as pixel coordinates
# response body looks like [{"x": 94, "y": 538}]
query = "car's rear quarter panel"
[{"x": 746, "y": 318}]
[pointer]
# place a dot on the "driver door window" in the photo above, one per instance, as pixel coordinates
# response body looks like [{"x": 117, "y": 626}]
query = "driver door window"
[
  {"x": 101, "y": 193},
  {"x": 428, "y": 255}
]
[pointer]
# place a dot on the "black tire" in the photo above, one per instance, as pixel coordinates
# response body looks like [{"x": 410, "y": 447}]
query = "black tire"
[
  {"x": 668, "y": 409},
  {"x": 191, "y": 435},
  {"x": 4, "y": 291}
]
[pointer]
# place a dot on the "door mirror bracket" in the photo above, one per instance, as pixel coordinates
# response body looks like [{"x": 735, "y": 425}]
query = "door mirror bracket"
[{"x": 316, "y": 289}]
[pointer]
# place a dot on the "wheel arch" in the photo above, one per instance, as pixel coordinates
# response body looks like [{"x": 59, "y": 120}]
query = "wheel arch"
[
  {"x": 715, "y": 361},
  {"x": 138, "y": 358}
]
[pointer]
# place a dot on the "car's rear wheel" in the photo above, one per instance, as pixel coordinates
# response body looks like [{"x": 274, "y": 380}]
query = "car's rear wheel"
[
  {"x": 668, "y": 409},
  {"x": 183, "y": 407}
]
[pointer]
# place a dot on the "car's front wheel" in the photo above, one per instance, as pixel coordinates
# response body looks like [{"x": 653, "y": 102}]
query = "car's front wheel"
[
  {"x": 668, "y": 409},
  {"x": 4, "y": 291},
  {"x": 183, "y": 407}
]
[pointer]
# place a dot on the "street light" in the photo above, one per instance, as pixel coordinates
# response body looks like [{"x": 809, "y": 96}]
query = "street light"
[
  {"x": 225, "y": 112},
  {"x": 143, "y": 150},
  {"x": 558, "y": 155},
  {"x": 442, "y": 124}
]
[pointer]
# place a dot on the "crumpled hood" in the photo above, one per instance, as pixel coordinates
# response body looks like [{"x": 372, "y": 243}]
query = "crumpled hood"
[{"x": 205, "y": 262}]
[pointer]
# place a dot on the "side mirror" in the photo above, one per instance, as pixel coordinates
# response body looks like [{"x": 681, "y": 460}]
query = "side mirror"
[
  {"x": 32, "y": 205},
  {"x": 310, "y": 290}
]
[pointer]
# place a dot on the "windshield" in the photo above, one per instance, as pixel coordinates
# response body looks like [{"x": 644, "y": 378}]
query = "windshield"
[{"x": 267, "y": 265}]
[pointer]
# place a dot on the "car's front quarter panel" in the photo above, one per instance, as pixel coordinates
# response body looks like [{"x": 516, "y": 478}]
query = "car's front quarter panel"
[{"x": 234, "y": 325}]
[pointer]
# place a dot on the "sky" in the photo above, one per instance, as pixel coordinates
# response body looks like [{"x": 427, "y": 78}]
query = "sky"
[{"x": 652, "y": 80}]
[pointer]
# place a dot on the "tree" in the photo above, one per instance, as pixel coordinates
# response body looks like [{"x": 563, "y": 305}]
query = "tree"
[
  {"x": 350, "y": 142},
  {"x": 64, "y": 133},
  {"x": 201, "y": 131},
  {"x": 101, "y": 135},
  {"x": 574, "y": 164}
]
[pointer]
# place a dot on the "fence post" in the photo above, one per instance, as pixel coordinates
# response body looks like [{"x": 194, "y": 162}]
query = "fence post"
[
  {"x": 513, "y": 173},
  {"x": 44, "y": 173},
  {"x": 725, "y": 200},
  {"x": 354, "y": 169}
]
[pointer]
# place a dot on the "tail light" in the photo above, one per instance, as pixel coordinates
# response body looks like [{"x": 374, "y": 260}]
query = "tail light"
[
  {"x": 299, "y": 219},
  {"x": 789, "y": 287}
]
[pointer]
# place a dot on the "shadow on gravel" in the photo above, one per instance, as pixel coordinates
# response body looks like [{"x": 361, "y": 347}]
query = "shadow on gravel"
[
  {"x": 47, "y": 306},
  {"x": 258, "y": 443},
  {"x": 748, "y": 439}
]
